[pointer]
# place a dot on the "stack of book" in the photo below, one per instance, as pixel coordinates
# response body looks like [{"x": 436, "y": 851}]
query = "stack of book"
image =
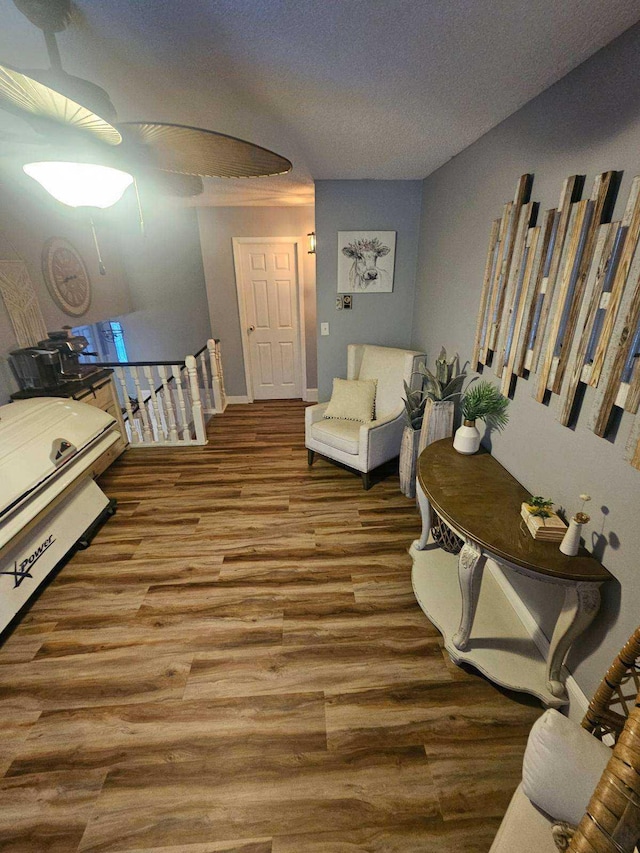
[{"x": 551, "y": 529}]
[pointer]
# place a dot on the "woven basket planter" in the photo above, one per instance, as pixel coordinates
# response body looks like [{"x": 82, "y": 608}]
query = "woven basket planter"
[{"x": 444, "y": 536}]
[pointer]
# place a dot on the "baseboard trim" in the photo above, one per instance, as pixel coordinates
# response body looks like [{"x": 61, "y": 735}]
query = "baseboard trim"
[
  {"x": 237, "y": 400},
  {"x": 311, "y": 395},
  {"x": 578, "y": 702}
]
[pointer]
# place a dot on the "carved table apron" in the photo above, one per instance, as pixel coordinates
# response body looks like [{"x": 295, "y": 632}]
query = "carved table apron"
[{"x": 481, "y": 501}]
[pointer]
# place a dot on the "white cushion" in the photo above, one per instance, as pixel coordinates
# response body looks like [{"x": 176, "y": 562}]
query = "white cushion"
[
  {"x": 390, "y": 367},
  {"x": 342, "y": 435},
  {"x": 523, "y": 829},
  {"x": 352, "y": 400},
  {"x": 562, "y": 766}
]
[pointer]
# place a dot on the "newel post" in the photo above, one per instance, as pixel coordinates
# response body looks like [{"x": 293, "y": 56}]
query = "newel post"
[
  {"x": 217, "y": 385},
  {"x": 196, "y": 404}
]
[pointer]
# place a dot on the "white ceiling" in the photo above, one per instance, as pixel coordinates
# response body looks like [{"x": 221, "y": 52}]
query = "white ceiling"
[{"x": 347, "y": 89}]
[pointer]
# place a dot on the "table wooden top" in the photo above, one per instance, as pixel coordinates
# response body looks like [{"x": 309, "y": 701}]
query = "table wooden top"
[{"x": 480, "y": 499}]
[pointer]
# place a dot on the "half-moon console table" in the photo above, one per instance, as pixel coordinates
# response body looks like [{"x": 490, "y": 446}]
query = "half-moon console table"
[{"x": 481, "y": 501}]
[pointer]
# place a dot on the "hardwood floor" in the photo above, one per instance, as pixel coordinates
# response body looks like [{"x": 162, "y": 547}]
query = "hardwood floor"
[{"x": 238, "y": 665}]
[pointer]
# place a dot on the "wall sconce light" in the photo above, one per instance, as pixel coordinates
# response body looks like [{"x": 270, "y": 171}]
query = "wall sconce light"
[{"x": 312, "y": 243}]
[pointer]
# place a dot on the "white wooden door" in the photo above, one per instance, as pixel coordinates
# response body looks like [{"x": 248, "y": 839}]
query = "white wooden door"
[{"x": 270, "y": 296}]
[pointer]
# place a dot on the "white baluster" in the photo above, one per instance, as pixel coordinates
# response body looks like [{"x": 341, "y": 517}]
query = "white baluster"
[
  {"x": 220, "y": 375},
  {"x": 168, "y": 401},
  {"x": 176, "y": 372},
  {"x": 196, "y": 405},
  {"x": 162, "y": 436},
  {"x": 206, "y": 381},
  {"x": 147, "y": 432},
  {"x": 215, "y": 377},
  {"x": 134, "y": 436}
]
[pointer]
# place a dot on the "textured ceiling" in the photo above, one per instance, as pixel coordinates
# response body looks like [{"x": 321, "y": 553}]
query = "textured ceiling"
[{"x": 344, "y": 88}]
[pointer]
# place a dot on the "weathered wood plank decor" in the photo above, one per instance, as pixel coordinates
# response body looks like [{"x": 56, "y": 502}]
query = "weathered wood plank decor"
[
  {"x": 485, "y": 299},
  {"x": 552, "y": 299},
  {"x": 632, "y": 454},
  {"x": 528, "y": 214},
  {"x": 563, "y": 294},
  {"x": 562, "y": 301},
  {"x": 485, "y": 352},
  {"x": 523, "y": 193},
  {"x": 577, "y": 367},
  {"x": 533, "y": 304},
  {"x": 603, "y": 196},
  {"x": 617, "y": 355},
  {"x": 630, "y": 222},
  {"x": 522, "y": 300},
  {"x": 631, "y": 373},
  {"x": 571, "y": 193}
]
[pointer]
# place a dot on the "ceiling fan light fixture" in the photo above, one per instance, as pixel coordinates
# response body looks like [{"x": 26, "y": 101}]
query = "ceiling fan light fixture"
[{"x": 80, "y": 184}]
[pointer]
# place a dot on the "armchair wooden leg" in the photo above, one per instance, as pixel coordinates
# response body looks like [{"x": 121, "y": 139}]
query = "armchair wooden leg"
[
  {"x": 310, "y": 455},
  {"x": 366, "y": 480}
]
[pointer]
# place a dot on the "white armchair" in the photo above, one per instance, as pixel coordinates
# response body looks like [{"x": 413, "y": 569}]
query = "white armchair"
[{"x": 365, "y": 446}]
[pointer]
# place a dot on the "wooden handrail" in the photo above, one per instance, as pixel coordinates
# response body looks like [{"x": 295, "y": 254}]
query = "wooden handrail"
[{"x": 180, "y": 364}]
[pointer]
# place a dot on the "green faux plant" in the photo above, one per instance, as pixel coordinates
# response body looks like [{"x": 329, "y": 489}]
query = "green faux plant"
[
  {"x": 445, "y": 384},
  {"x": 485, "y": 402},
  {"x": 539, "y": 506}
]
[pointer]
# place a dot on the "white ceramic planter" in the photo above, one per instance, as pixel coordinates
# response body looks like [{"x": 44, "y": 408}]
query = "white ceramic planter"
[
  {"x": 571, "y": 542},
  {"x": 467, "y": 438}
]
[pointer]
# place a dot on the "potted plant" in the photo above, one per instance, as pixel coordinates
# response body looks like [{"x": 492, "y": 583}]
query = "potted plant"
[
  {"x": 428, "y": 414},
  {"x": 485, "y": 402}
]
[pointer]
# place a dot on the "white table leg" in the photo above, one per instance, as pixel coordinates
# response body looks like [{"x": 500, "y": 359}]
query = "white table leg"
[
  {"x": 425, "y": 512},
  {"x": 581, "y": 603},
  {"x": 470, "y": 565}
]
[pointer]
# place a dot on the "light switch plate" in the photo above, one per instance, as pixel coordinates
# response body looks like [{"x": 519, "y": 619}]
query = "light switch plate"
[
  {"x": 339, "y": 303},
  {"x": 324, "y": 328}
]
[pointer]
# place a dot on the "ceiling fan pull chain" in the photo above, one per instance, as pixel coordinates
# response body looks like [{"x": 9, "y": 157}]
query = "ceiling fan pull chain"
[
  {"x": 101, "y": 266},
  {"x": 140, "y": 214}
]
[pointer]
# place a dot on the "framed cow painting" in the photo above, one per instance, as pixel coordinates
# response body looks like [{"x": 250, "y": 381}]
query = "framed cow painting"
[{"x": 366, "y": 261}]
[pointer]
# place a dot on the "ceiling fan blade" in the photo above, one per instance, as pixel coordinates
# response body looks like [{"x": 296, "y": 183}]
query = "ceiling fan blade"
[
  {"x": 19, "y": 92},
  {"x": 52, "y": 15},
  {"x": 194, "y": 151},
  {"x": 173, "y": 183}
]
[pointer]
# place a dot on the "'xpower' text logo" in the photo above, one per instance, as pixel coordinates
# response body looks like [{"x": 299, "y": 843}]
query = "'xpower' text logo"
[{"x": 22, "y": 571}]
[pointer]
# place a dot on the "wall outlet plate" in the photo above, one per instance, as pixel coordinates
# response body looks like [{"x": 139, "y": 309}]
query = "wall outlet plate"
[{"x": 324, "y": 328}]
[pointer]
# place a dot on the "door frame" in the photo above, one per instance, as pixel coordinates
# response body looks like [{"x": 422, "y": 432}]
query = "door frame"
[{"x": 299, "y": 244}]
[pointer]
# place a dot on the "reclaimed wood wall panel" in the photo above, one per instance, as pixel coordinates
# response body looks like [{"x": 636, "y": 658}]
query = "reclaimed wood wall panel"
[
  {"x": 631, "y": 224},
  {"x": 617, "y": 354},
  {"x": 522, "y": 302},
  {"x": 577, "y": 360},
  {"x": 523, "y": 193},
  {"x": 485, "y": 299},
  {"x": 533, "y": 306},
  {"x": 571, "y": 193},
  {"x": 528, "y": 213},
  {"x": 485, "y": 351},
  {"x": 561, "y": 302}
]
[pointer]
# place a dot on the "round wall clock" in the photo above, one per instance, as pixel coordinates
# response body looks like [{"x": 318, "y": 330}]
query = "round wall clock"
[{"x": 66, "y": 276}]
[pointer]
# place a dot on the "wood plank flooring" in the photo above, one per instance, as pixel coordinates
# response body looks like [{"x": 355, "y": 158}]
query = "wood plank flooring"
[{"x": 238, "y": 665}]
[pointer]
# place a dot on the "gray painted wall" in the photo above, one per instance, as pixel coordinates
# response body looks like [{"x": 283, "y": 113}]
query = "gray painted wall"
[
  {"x": 587, "y": 123},
  {"x": 218, "y": 225},
  {"x": 29, "y": 217},
  {"x": 169, "y": 316},
  {"x": 376, "y": 318}
]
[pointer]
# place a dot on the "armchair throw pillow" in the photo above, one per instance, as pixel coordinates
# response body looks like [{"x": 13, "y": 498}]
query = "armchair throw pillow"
[
  {"x": 562, "y": 766},
  {"x": 352, "y": 400}
]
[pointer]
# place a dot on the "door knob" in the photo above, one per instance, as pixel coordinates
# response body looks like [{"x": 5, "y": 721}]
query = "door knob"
[{"x": 251, "y": 329}]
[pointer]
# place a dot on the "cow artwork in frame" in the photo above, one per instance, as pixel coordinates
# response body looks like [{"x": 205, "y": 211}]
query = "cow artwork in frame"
[{"x": 366, "y": 261}]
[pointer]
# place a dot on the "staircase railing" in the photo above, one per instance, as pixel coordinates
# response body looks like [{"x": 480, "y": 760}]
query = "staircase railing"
[{"x": 169, "y": 403}]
